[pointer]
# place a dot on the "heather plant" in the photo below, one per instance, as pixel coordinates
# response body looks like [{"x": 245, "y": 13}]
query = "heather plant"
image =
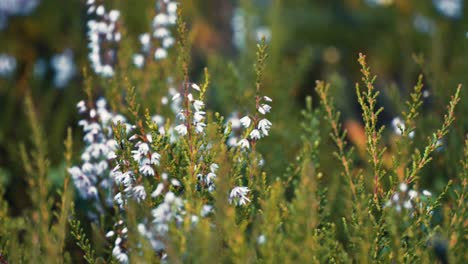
[{"x": 175, "y": 166}]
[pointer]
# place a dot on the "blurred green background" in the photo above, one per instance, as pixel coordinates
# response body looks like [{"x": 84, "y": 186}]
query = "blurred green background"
[{"x": 43, "y": 52}]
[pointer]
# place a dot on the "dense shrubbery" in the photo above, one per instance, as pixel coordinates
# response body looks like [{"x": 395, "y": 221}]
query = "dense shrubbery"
[{"x": 171, "y": 161}]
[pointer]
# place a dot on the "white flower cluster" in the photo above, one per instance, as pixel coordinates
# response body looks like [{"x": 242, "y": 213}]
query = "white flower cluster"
[
  {"x": 129, "y": 177},
  {"x": 161, "y": 39},
  {"x": 92, "y": 176},
  {"x": 119, "y": 252},
  {"x": 259, "y": 126},
  {"x": 207, "y": 181},
  {"x": 406, "y": 198},
  {"x": 449, "y": 8},
  {"x": 7, "y": 65},
  {"x": 103, "y": 36},
  {"x": 192, "y": 115},
  {"x": 171, "y": 209},
  {"x": 15, "y": 8},
  {"x": 64, "y": 68}
]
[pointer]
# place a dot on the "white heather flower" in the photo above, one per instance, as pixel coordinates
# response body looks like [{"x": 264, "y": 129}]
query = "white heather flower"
[
  {"x": 195, "y": 86},
  {"x": 255, "y": 134},
  {"x": 239, "y": 195},
  {"x": 412, "y": 194},
  {"x": 158, "y": 191},
  {"x": 264, "y": 108},
  {"x": 122, "y": 258},
  {"x": 403, "y": 187},
  {"x": 110, "y": 234},
  {"x": 175, "y": 182},
  {"x": 190, "y": 97},
  {"x": 268, "y": 99},
  {"x": 160, "y": 19},
  {"x": 199, "y": 127},
  {"x": 243, "y": 143},
  {"x": 100, "y": 10},
  {"x": 160, "y": 33},
  {"x": 7, "y": 63},
  {"x": 199, "y": 116},
  {"x": 261, "y": 239},
  {"x": 206, "y": 210},
  {"x": 137, "y": 156},
  {"x": 398, "y": 125},
  {"x": 139, "y": 193},
  {"x": 407, "y": 204},
  {"x": 214, "y": 167},
  {"x": 181, "y": 130},
  {"x": 426, "y": 193},
  {"x": 138, "y": 60},
  {"x": 155, "y": 158},
  {"x": 146, "y": 169},
  {"x": 264, "y": 125},
  {"x": 175, "y": 96},
  {"x": 235, "y": 122},
  {"x": 81, "y": 106},
  {"x": 232, "y": 141},
  {"x": 449, "y": 8},
  {"x": 118, "y": 199},
  {"x": 245, "y": 121},
  {"x": 164, "y": 100},
  {"x": 198, "y": 105},
  {"x": 145, "y": 39},
  {"x": 143, "y": 148},
  {"x": 172, "y": 7},
  {"x": 168, "y": 42},
  {"x": 114, "y": 15},
  {"x": 181, "y": 116},
  {"x": 64, "y": 68},
  {"x": 160, "y": 54}
]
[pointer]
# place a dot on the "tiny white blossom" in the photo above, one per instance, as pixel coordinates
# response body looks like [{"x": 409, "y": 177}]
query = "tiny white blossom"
[
  {"x": 199, "y": 116},
  {"x": 255, "y": 134},
  {"x": 426, "y": 193},
  {"x": 264, "y": 125},
  {"x": 264, "y": 108},
  {"x": 160, "y": 53},
  {"x": 195, "y": 86},
  {"x": 138, "y": 60},
  {"x": 239, "y": 195},
  {"x": 145, "y": 39},
  {"x": 198, "y": 105},
  {"x": 110, "y": 234},
  {"x": 181, "y": 129},
  {"x": 143, "y": 148},
  {"x": 147, "y": 170},
  {"x": 403, "y": 187},
  {"x": 412, "y": 194},
  {"x": 245, "y": 121},
  {"x": 114, "y": 15},
  {"x": 175, "y": 96},
  {"x": 158, "y": 190},
  {"x": 81, "y": 106},
  {"x": 155, "y": 158},
  {"x": 139, "y": 193},
  {"x": 243, "y": 143}
]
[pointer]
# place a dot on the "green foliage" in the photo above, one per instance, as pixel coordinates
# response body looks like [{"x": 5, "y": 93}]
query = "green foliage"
[{"x": 325, "y": 186}]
